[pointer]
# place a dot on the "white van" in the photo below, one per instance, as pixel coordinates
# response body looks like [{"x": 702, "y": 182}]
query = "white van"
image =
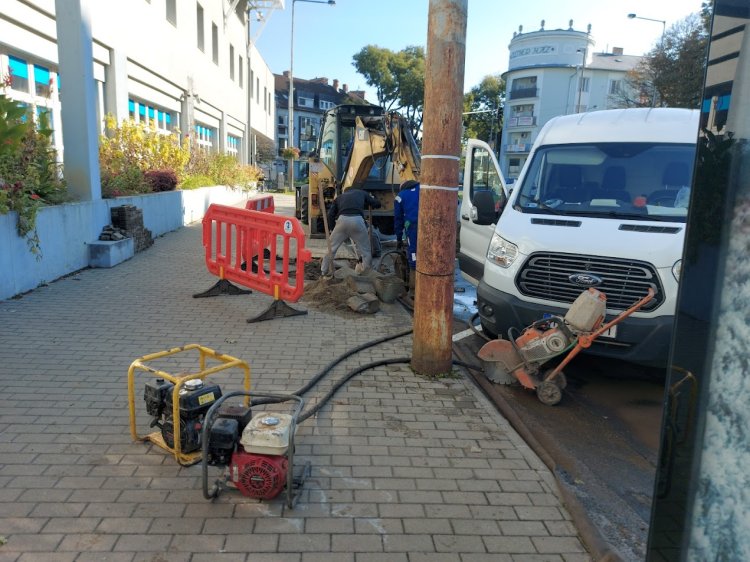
[{"x": 601, "y": 202}]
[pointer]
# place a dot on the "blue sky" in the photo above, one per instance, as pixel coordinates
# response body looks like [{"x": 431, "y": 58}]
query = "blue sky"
[{"x": 326, "y": 37}]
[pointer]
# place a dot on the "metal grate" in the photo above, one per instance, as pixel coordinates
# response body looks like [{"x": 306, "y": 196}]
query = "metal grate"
[
  {"x": 556, "y": 222},
  {"x": 651, "y": 228},
  {"x": 547, "y": 276}
]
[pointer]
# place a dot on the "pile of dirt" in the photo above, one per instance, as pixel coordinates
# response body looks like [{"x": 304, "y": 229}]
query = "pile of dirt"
[{"x": 328, "y": 295}]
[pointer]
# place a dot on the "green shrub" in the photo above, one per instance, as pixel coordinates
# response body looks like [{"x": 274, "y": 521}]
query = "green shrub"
[
  {"x": 135, "y": 145},
  {"x": 29, "y": 172},
  {"x": 128, "y": 181},
  {"x": 194, "y": 182}
]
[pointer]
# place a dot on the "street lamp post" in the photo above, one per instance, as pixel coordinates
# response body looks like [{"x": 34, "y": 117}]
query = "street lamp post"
[
  {"x": 290, "y": 135},
  {"x": 661, "y": 44}
]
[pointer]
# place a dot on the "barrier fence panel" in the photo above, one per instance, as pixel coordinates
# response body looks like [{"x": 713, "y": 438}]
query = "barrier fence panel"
[
  {"x": 256, "y": 249},
  {"x": 263, "y": 203}
]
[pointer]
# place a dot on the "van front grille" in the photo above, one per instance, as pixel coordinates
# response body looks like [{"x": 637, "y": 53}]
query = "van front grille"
[{"x": 548, "y": 276}]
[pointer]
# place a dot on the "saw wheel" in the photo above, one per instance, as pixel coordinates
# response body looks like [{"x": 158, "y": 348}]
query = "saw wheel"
[{"x": 548, "y": 393}]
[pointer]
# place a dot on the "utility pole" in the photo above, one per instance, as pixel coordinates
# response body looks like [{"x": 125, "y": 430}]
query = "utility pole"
[{"x": 436, "y": 231}]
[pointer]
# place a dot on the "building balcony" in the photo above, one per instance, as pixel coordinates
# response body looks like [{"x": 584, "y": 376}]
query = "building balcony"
[
  {"x": 523, "y": 121},
  {"x": 521, "y": 93},
  {"x": 518, "y": 147}
]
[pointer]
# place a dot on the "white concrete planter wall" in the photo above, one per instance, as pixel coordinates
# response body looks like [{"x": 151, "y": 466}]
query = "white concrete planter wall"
[{"x": 65, "y": 231}]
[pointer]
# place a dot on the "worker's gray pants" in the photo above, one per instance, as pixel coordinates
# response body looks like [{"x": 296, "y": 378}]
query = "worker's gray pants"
[{"x": 353, "y": 227}]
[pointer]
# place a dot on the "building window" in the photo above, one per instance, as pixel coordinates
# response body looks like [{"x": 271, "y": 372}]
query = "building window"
[
  {"x": 305, "y": 102},
  {"x": 257, "y": 90},
  {"x": 614, "y": 86},
  {"x": 201, "y": 32},
  {"x": 172, "y": 12},
  {"x": 583, "y": 84},
  {"x": 324, "y": 104},
  {"x": 269, "y": 103},
  {"x": 231, "y": 62},
  {"x": 308, "y": 133},
  {"x": 252, "y": 82},
  {"x": 233, "y": 145},
  {"x": 241, "y": 73},
  {"x": 265, "y": 98},
  {"x": 215, "y": 42},
  {"x": 524, "y": 88},
  {"x": 151, "y": 115},
  {"x": 204, "y": 137},
  {"x": 19, "y": 74}
]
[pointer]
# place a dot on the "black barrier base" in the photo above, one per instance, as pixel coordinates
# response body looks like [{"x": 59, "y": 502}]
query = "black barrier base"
[
  {"x": 278, "y": 309},
  {"x": 222, "y": 287}
]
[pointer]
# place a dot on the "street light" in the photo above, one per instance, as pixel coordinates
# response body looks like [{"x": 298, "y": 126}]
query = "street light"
[
  {"x": 291, "y": 84},
  {"x": 661, "y": 44}
]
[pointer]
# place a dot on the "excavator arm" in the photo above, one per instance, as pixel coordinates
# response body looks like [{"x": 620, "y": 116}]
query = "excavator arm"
[{"x": 375, "y": 137}]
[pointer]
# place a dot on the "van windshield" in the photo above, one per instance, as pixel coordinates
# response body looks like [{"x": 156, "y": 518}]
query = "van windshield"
[{"x": 641, "y": 181}]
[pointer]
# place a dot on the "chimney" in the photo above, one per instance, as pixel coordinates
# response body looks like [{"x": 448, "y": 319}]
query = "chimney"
[
  {"x": 345, "y": 88},
  {"x": 617, "y": 50},
  {"x": 336, "y": 84},
  {"x": 286, "y": 74}
]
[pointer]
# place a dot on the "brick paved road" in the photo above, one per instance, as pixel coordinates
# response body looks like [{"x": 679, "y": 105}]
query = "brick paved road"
[{"x": 403, "y": 468}]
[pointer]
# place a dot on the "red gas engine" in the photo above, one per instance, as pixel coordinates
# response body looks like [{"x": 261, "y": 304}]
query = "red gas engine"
[{"x": 257, "y": 451}]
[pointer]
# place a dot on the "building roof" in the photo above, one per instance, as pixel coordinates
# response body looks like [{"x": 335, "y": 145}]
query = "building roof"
[
  {"x": 610, "y": 61},
  {"x": 317, "y": 87}
]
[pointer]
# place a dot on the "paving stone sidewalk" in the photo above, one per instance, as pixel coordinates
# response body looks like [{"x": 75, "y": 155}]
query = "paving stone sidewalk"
[{"x": 404, "y": 468}]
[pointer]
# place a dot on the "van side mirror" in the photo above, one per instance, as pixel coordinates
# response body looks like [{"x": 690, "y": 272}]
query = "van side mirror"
[{"x": 483, "y": 208}]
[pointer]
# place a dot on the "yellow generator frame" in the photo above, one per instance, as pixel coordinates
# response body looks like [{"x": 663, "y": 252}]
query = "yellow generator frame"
[{"x": 226, "y": 362}]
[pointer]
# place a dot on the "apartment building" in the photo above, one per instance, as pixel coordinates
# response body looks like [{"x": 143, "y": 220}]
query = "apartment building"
[
  {"x": 555, "y": 72},
  {"x": 185, "y": 65}
]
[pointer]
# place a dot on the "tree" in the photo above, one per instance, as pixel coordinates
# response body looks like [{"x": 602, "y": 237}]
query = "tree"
[
  {"x": 483, "y": 106},
  {"x": 265, "y": 149},
  {"x": 398, "y": 79},
  {"x": 673, "y": 70}
]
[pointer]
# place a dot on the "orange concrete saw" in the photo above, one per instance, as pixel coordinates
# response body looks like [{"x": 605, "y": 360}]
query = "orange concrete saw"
[{"x": 523, "y": 357}]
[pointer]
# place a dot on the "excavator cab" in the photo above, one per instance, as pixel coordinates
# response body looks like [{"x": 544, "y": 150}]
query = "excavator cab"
[{"x": 359, "y": 146}]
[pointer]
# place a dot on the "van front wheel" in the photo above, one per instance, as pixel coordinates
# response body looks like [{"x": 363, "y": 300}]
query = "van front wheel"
[{"x": 489, "y": 332}]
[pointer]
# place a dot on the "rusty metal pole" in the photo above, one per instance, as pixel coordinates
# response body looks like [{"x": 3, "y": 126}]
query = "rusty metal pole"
[{"x": 438, "y": 198}]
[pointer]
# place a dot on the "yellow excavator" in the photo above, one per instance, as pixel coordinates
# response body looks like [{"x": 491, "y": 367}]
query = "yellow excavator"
[{"x": 359, "y": 146}]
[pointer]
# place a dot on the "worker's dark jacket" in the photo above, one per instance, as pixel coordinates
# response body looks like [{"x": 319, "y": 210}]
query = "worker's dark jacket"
[{"x": 352, "y": 203}]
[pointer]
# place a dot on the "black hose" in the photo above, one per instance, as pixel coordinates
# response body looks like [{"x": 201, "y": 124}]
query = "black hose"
[
  {"x": 473, "y": 327},
  {"x": 323, "y": 372},
  {"x": 351, "y": 374}
]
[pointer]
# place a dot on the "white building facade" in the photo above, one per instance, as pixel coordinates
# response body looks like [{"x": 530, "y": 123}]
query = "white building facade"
[
  {"x": 551, "y": 73},
  {"x": 181, "y": 64}
]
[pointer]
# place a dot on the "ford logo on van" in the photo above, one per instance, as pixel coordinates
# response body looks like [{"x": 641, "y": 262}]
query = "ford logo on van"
[{"x": 585, "y": 279}]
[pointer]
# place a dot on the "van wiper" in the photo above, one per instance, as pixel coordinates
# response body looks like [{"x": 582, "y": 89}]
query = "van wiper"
[
  {"x": 631, "y": 216},
  {"x": 531, "y": 206}
]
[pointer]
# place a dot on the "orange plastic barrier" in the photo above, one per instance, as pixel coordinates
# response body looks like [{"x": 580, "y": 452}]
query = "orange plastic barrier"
[
  {"x": 262, "y": 203},
  {"x": 232, "y": 235}
]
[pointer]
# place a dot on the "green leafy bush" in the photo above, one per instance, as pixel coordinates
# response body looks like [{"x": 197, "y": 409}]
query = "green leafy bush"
[
  {"x": 132, "y": 145},
  {"x": 222, "y": 169},
  {"x": 29, "y": 172},
  {"x": 194, "y": 182}
]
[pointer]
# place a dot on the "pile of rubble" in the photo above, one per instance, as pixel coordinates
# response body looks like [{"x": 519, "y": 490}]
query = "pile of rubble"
[
  {"x": 127, "y": 222},
  {"x": 349, "y": 291}
]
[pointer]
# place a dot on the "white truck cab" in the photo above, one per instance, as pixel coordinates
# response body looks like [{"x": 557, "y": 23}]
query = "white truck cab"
[{"x": 601, "y": 202}]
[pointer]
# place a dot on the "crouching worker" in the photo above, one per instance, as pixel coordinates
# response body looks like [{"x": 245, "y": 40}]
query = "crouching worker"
[
  {"x": 348, "y": 212},
  {"x": 405, "y": 215}
]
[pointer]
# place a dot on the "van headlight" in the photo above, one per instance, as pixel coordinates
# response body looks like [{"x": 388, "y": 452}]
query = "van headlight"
[
  {"x": 501, "y": 252},
  {"x": 677, "y": 270}
]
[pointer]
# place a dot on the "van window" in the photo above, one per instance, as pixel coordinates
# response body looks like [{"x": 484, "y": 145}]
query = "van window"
[
  {"x": 618, "y": 180},
  {"x": 486, "y": 178}
]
